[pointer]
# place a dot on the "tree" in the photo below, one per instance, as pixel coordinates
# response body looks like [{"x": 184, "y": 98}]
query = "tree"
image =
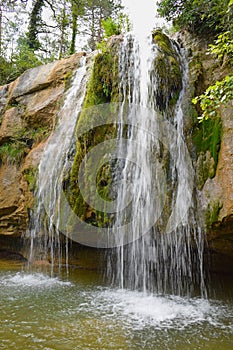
[
  {"x": 8, "y": 7},
  {"x": 35, "y": 24},
  {"x": 63, "y": 22},
  {"x": 12, "y": 13},
  {"x": 198, "y": 16},
  {"x": 96, "y": 12},
  {"x": 77, "y": 7}
]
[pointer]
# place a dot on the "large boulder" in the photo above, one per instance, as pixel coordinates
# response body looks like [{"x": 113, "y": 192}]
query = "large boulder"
[{"x": 28, "y": 110}]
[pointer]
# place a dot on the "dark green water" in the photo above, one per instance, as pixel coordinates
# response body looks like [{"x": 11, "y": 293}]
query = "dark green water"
[{"x": 76, "y": 311}]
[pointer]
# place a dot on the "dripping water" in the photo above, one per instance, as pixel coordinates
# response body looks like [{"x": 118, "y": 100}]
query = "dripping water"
[{"x": 45, "y": 240}]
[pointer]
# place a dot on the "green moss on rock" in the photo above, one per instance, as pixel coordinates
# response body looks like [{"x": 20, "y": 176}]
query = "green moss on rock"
[
  {"x": 30, "y": 175},
  {"x": 103, "y": 84},
  {"x": 101, "y": 180},
  {"x": 207, "y": 140},
  {"x": 168, "y": 70},
  {"x": 212, "y": 213},
  {"x": 102, "y": 88},
  {"x": 12, "y": 152}
]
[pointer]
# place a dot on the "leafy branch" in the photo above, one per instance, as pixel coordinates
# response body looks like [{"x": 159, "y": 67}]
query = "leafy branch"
[
  {"x": 221, "y": 92},
  {"x": 223, "y": 48},
  {"x": 215, "y": 96}
]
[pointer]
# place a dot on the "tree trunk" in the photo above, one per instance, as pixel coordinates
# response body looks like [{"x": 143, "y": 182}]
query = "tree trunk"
[
  {"x": 100, "y": 25},
  {"x": 0, "y": 30},
  {"x": 92, "y": 28},
  {"x": 63, "y": 28},
  {"x": 74, "y": 29}
]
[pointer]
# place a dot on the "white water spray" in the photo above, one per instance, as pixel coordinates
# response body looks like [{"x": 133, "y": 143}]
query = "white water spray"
[{"x": 163, "y": 259}]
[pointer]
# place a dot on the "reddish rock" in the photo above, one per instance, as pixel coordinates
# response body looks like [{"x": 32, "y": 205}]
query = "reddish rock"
[{"x": 29, "y": 105}]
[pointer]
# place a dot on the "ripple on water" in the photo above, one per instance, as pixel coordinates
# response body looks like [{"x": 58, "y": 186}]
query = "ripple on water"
[{"x": 74, "y": 315}]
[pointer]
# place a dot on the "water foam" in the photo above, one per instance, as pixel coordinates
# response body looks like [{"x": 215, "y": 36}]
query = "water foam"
[
  {"x": 22, "y": 279},
  {"x": 138, "y": 310}
]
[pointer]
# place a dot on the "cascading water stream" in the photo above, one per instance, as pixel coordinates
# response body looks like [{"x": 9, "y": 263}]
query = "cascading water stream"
[
  {"x": 44, "y": 233},
  {"x": 166, "y": 251}
]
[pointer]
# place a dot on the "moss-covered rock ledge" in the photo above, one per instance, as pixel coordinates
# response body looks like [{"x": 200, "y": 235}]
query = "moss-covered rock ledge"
[{"x": 102, "y": 88}]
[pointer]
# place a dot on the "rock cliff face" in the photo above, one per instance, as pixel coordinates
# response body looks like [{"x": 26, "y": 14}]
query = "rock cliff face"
[
  {"x": 212, "y": 145},
  {"x": 217, "y": 193},
  {"x": 27, "y": 116}
]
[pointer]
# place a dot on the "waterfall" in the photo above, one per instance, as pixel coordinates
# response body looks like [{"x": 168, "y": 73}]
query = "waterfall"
[
  {"x": 158, "y": 243},
  {"x": 164, "y": 250},
  {"x": 45, "y": 241}
]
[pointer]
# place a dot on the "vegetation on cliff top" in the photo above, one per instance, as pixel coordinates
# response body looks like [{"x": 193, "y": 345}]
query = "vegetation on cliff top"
[
  {"x": 220, "y": 93},
  {"x": 199, "y": 16},
  {"x": 207, "y": 19},
  {"x": 41, "y": 31}
]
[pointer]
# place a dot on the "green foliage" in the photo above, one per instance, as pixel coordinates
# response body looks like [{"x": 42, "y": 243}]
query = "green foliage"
[
  {"x": 198, "y": 16},
  {"x": 220, "y": 93},
  {"x": 207, "y": 137},
  {"x": 110, "y": 27},
  {"x": 223, "y": 48},
  {"x": 215, "y": 96},
  {"x": 115, "y": 26},
  {"x": 22, "y": 59},
  {"x": 12, "y": 152},
  {"x": 35, "y": 135},
  {"x": 5, "y": 71},
  {"x": 44, "y": 42}
]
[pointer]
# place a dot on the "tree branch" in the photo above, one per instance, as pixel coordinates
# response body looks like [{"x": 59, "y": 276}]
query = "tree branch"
[{"x": 51, "y": 7}]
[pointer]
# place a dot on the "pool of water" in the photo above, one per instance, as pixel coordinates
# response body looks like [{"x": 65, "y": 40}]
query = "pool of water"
[{"x": 76, "y": 311}]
